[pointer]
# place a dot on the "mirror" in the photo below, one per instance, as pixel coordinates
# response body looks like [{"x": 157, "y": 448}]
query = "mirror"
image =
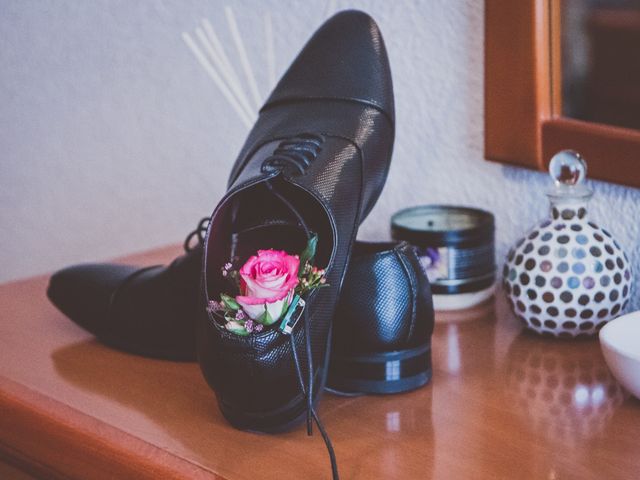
[
  {"x": 540, "y": 94},
  {"x": 600, "y": 61}
]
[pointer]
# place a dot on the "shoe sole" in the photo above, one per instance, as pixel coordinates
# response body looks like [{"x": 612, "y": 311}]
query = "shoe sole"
[{"x": 382, "y": 373}]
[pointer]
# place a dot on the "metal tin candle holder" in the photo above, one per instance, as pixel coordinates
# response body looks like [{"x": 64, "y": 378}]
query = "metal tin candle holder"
[{"x": 456, "y": 247}]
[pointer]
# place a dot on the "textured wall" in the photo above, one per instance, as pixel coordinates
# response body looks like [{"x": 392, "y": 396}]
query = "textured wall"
[{"x": 114, "y": 140}]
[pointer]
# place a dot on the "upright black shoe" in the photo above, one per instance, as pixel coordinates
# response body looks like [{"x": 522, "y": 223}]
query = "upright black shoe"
[
  {"x": 151, "y": 311},
  {"x": 382, "y": 338},
  {"x": 315, "y": 162}
]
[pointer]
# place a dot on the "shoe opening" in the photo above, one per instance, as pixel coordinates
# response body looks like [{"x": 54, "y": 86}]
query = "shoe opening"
[{"x": 274, "y": 214}]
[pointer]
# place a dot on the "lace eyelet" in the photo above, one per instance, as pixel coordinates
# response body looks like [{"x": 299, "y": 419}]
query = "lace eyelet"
[{"x": 294, "y": 155}]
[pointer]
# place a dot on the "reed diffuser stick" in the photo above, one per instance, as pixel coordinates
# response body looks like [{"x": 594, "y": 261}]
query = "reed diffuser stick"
[
  {"x": 244, "y": 59},
  {"x": 211, "y": 71},
  {"x": 235, "y": 86},
  {"x": 270, "y": 53},
  {"x": 219, "y": 48},
  {"x": 217, "y": 44}
]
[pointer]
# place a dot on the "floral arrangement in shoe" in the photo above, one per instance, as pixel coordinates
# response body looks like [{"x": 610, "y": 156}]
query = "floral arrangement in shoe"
[{"x": 271, "y": 285}]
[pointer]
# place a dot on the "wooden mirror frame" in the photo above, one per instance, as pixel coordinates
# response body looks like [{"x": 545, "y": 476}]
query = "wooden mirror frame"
[{"x": 524, "y": 125}]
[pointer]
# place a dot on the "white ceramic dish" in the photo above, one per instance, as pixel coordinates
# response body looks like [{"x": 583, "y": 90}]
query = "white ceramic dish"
[{"x": 620, "y": 342}]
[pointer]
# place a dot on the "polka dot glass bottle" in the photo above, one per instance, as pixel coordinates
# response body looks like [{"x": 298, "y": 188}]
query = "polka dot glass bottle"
[{"x": 567, "y": 277}]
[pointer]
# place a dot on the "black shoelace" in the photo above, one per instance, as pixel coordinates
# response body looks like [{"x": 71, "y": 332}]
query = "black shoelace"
[
  {"x": 199, "y": 233},
  {"x": 307, "y": 387},
  {"x": 296, "y": 153}
]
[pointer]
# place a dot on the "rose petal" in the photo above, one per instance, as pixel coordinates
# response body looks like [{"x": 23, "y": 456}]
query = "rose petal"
[
  {"x": 253, "y": 311},
  {"x": 255, "y": 307},
  {"x": 253, "y": 288},
  {"x": 275, "y": 309},
  {"x": 274, "y": 283},
  {"x": 249, "y": 265},
  {"x": 269, "y": 275}
]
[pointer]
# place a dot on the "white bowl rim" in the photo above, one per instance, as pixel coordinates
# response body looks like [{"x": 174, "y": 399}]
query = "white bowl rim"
[{"x": 606, "y": 342}]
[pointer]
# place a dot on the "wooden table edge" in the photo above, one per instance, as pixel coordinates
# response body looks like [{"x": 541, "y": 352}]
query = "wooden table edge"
[{"x": 54, "y": 439}]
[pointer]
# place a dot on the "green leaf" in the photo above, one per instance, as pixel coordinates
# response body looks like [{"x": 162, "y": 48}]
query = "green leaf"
[
  {"x": 309, "y": 253},
  {"x": 237, "y": 328},
  {"x": 265, "y": 318},
  {"x": 229, "y": 302},
  {"x": 285, "y": 307}
]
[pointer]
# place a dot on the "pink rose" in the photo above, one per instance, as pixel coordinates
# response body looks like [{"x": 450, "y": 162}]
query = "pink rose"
[{"x": 267, "y": 284}]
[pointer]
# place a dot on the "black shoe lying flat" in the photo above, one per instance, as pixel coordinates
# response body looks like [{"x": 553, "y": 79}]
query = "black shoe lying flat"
[
  {"x": 318, "y": 157},
  {"x": 146, "y": 311},
  {"x": 382, "y": 339}
]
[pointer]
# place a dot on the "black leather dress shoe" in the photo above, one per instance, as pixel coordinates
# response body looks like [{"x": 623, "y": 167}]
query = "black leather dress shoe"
[
  {"x": 383, "y": 321},
  {"x": 382, "y": 339},
  {"x": 315, "y": 161},
  {"x": 147, "y": 311}
]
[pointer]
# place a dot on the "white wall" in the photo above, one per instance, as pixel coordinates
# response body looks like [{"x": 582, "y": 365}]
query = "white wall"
[{"x": 114, "y": 140}]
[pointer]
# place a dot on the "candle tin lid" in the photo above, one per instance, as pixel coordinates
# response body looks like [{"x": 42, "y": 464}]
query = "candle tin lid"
[
  {"x": 443, "y": 225},
  {"x": 456, "y": 248}
]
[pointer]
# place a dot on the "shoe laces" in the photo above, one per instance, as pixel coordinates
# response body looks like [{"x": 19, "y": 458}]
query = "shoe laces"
[
  {"x": 199, "y": 233},
  {"x": 306, "y": 385},
  {"x": 295, "y": 154}
]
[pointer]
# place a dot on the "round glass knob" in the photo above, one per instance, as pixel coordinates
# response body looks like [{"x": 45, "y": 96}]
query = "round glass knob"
[{"x": 567, "y": 168}]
